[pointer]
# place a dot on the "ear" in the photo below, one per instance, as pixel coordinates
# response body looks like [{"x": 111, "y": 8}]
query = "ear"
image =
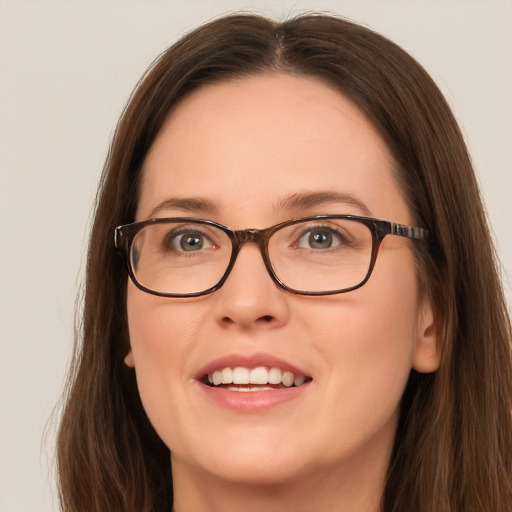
[
  {"x": 128, "y": 360},
  {"x": 427, "y": 350}
]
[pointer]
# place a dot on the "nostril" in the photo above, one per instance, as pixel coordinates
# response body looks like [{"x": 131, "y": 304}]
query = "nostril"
[{"x": 264, "y": 320}]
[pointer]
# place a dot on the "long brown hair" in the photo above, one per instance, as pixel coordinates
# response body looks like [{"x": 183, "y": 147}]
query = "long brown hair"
[{"x": 453, "y": 449}]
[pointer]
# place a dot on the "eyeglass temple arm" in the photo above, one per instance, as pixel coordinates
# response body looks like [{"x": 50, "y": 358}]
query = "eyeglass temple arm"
[
  {"x": 119, "y": 238},
  {"x": 408, "y": 231}
]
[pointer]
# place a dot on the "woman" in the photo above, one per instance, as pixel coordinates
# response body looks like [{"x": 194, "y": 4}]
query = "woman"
[{"x": 336, "y": 362}]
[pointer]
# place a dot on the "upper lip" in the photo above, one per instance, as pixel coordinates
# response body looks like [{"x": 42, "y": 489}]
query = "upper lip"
[{"x": 248, "y": 361}]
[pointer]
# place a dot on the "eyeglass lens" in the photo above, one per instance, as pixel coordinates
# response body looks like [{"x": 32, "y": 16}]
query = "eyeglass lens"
[{"x": 310, "y": 256}]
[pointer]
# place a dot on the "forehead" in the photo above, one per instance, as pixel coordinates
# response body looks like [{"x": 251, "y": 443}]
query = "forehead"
[{"x": 253, "y": 142}]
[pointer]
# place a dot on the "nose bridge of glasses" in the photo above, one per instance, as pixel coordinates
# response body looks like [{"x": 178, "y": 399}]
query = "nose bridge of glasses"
[
  {"x": 245, "y": 236},
  {"x": 258, "y": 237}
]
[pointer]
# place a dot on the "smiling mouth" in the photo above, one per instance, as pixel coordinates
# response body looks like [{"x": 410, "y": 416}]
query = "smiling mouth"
[{"x": 253, "y": 379}]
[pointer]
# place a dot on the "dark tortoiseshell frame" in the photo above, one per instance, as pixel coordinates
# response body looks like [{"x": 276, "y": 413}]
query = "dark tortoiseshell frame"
[{"x": 125, "y": 234}]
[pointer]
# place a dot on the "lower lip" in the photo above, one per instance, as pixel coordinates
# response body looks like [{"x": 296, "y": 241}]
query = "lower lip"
[{"x": 252, "y": 401}]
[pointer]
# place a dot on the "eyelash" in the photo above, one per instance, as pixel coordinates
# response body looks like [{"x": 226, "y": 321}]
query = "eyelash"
[
  {"x": 173, "y": 237},
  {"x": 343, "y": 239}
]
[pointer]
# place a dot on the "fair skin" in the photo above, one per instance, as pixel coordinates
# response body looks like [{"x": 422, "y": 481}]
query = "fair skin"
[{"x": 248, "y": 146}]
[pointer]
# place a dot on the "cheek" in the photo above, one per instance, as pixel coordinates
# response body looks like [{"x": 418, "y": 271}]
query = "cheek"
[
  {"x": 154, "y": 335},
  {"x": 162, "y": 336},
  {"x": 366, "y": 341}
]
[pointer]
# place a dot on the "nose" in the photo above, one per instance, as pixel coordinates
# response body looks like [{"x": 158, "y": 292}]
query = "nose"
[{"x": 250, "y": 299}]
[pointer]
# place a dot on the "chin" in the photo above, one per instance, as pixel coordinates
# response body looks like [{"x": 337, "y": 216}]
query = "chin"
[
  {"x": 269, "y": 472},
  {"x": 256, "y": 461}
]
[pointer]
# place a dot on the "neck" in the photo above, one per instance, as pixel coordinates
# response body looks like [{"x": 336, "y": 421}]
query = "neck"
[{"x": 355, "y": 490}]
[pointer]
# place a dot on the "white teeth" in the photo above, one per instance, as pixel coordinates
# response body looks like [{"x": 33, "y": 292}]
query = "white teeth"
[
  {"x": 227, "y": 376},
  {"x": 299, "y": 380},
  {"x": 249, "y": 389},
  {"x": 217, "y": 378},
  {"x": 288, "y": 378},
  {"x": 240, "y": 375},
  {"x": 259, "y": 375},
  {"x": 275, "y": 376}
]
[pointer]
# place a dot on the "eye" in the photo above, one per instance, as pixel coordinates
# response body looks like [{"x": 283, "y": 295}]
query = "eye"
[
  {"x": 320, "y": 237},
  {"x": 187, "y": 241}
]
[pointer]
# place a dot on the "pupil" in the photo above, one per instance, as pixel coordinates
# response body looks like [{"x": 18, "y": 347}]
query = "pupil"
[
  {"x": 320, "y": 240},
  {"x": 191, "y": 243}
]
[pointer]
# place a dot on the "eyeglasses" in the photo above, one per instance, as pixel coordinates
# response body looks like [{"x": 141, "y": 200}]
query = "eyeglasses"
[{"x": 321, "y": 255}]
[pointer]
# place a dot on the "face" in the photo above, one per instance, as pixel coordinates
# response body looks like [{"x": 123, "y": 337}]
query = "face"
[{"x": 248, "y": 152}]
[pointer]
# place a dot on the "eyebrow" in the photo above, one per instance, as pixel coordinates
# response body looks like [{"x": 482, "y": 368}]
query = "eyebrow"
[
  {"x": 186, "y": 204},
  {"x": 312, "y": 199},
  {"x": 298, "y": 201}
]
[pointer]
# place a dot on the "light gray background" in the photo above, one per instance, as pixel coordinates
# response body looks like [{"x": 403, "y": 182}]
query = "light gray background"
[{"x": 67, "y": 68}]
